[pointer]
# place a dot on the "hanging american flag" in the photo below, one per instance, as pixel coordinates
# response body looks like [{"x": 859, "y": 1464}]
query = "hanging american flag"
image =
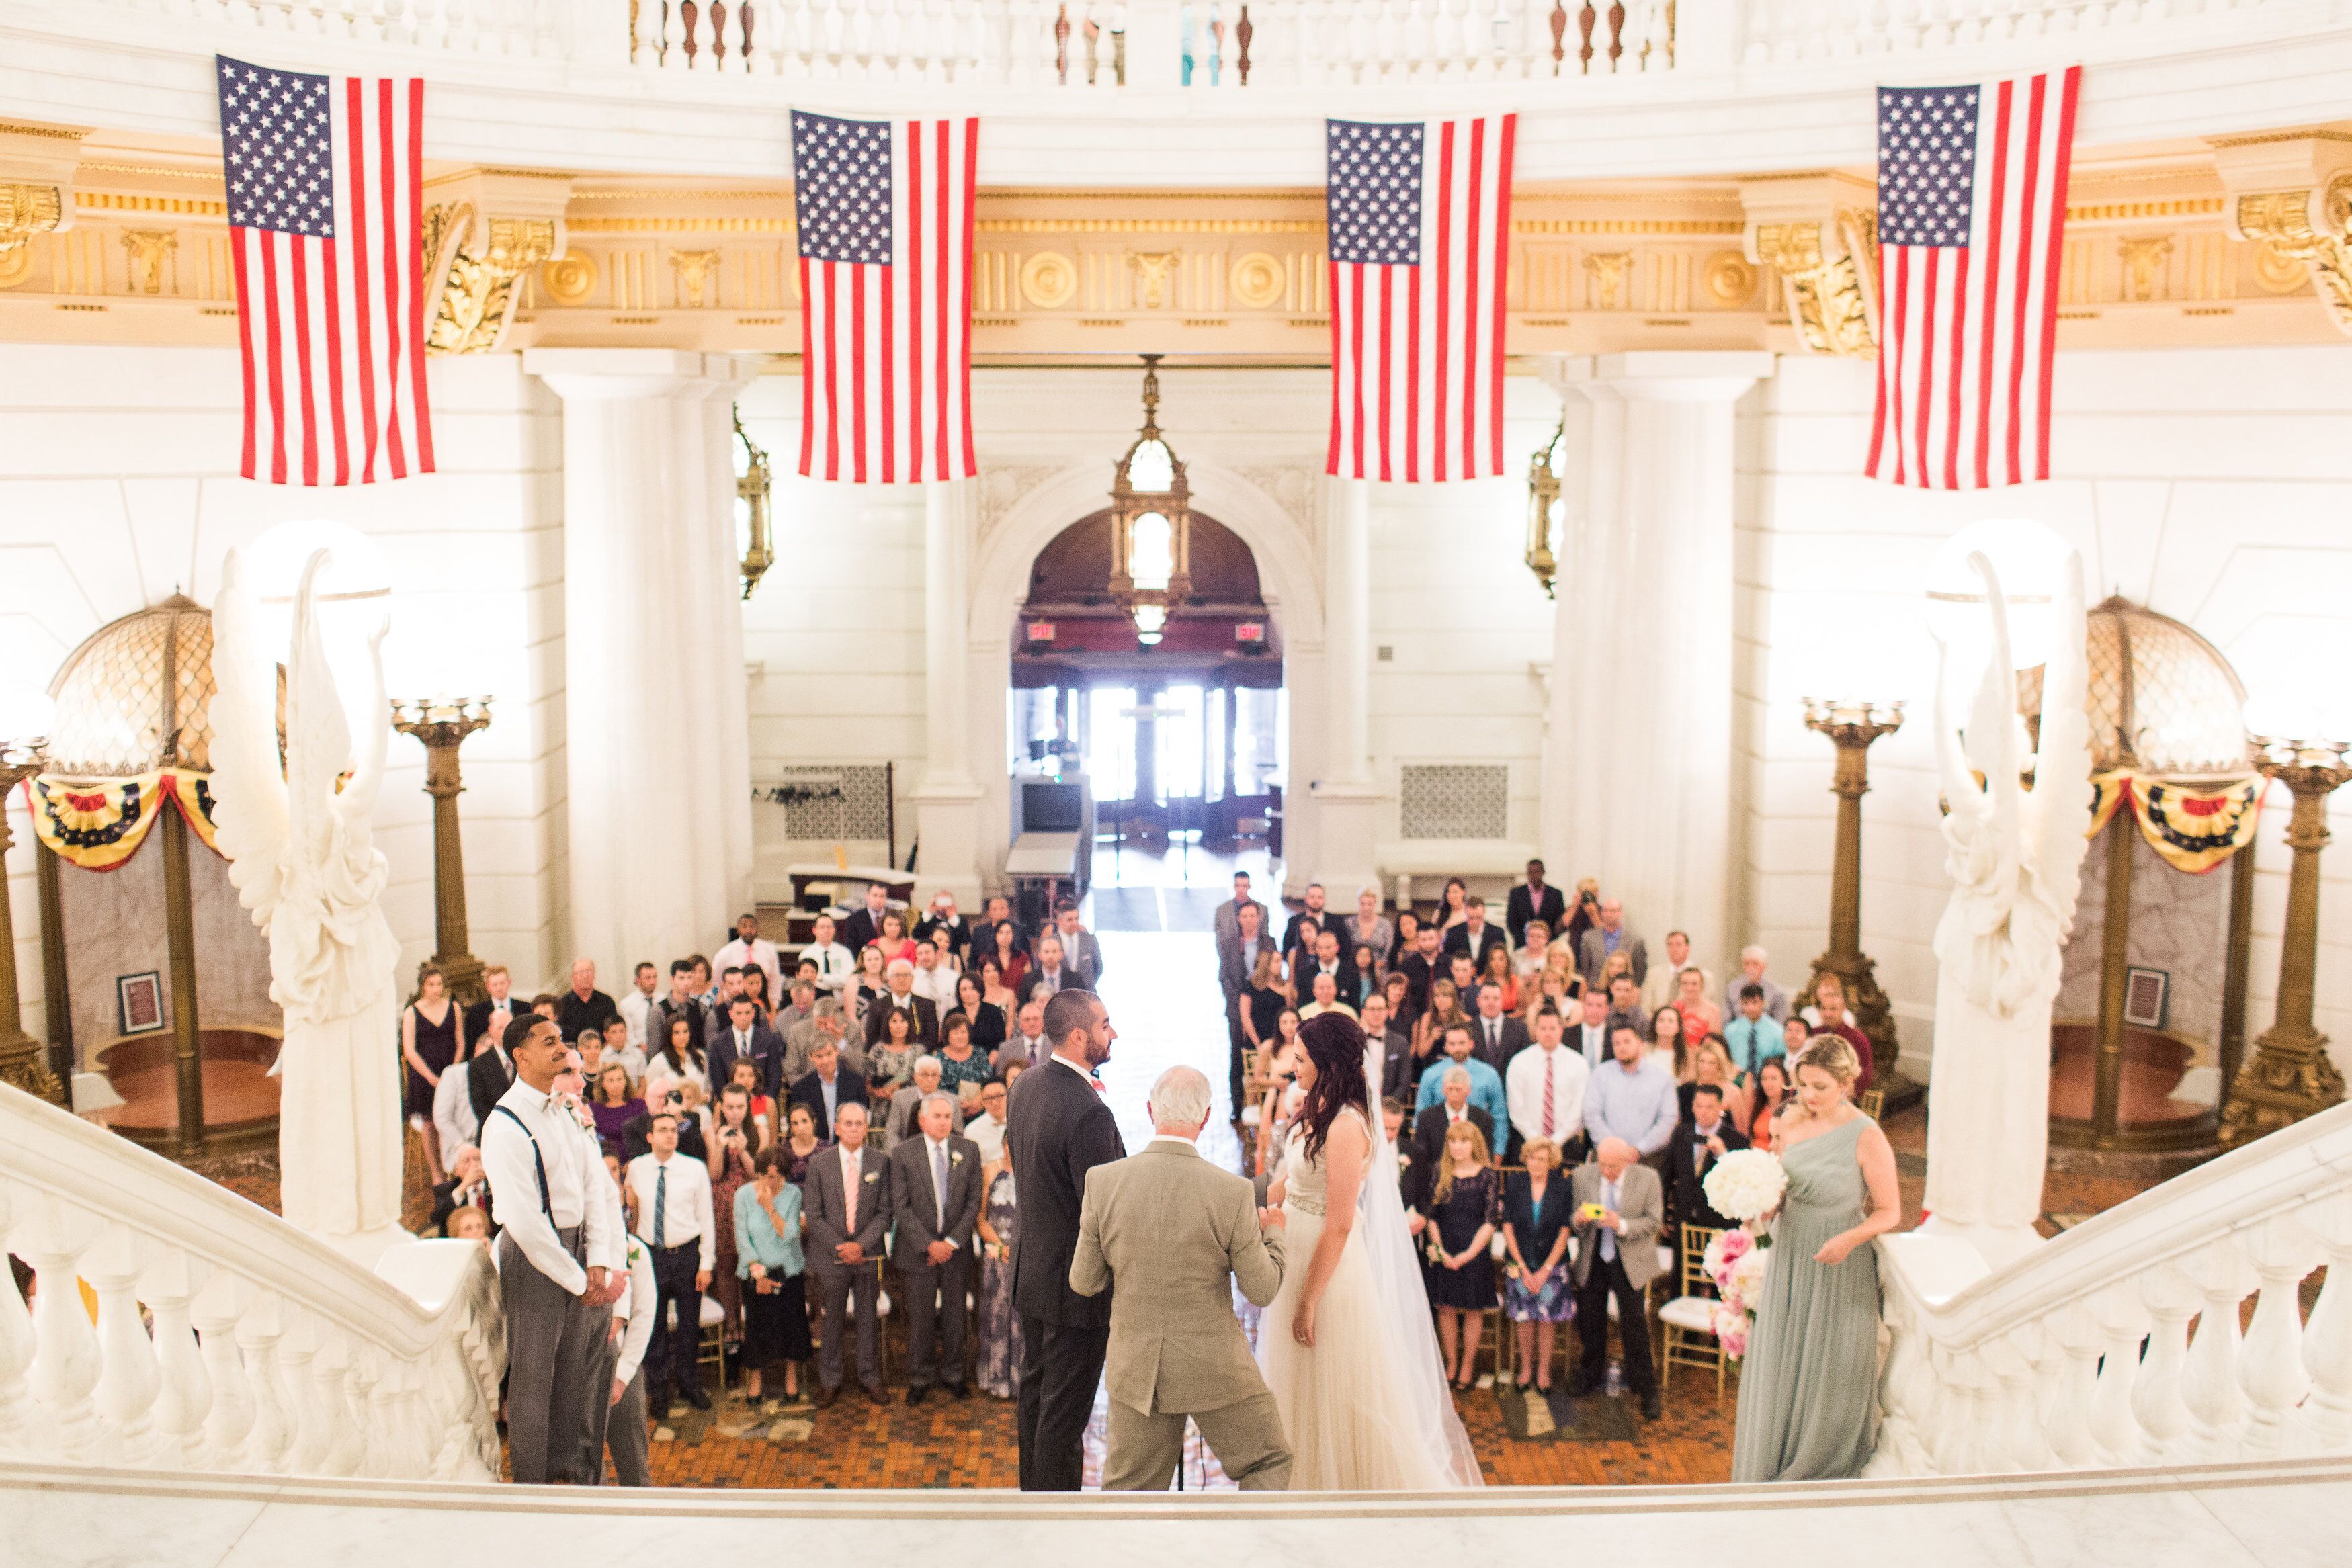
[
  {"x": 325, "y": 186},
  {"x": 1971, "y": 210},
  {"x": 884, "y": 210},
  {"x": 1418, "y": 215}
]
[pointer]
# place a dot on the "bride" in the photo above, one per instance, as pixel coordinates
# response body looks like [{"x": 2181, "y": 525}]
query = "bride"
[{"x": 1347, "y": 1347}]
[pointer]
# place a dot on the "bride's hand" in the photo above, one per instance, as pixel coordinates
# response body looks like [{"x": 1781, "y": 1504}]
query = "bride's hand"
[{"x": 1302, "y": 1327}]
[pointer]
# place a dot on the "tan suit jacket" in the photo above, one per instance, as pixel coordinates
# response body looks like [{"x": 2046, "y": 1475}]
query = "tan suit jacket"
[
  {"x": 1641, "y": 1203},
  {"x": 1174, "y": 1232}
]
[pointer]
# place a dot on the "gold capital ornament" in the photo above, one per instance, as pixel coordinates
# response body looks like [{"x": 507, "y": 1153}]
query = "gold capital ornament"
[
  {"x": 1829, "y": 273},
  {"x": 478, "y": 261},
  {"x": 2312, "y": 226}
]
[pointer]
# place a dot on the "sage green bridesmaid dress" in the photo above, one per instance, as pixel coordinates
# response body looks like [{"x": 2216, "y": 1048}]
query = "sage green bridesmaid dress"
[{"x": 1808, "y": 1392}]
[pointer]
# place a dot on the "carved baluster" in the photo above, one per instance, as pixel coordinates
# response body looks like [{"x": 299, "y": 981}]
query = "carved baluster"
[
  {"x": 1587, "y": 21},
  {"x": 307, "y": 1419},
  {"x": 333, "y": 1372},
  {"x": 2171, "y": 1301},
  {"x": 269, "y": 1442},
  {"x": 2014, "y": 1440},
  {"x": 829, "y": 41},
  {"x": 783, "y": 47},
  {"x": 2270, "y": 1369},
  {"x": 2328, "y": 1337},
  {"x": 184, "y": 1395},
  {"x": 2123, "y": 1324},
  {"x": 127, "y": 1379},
  {"x": 1952, "y": 1446},
  {"x": 2071, "y": 1382},
  {"x": 17, "y": 1344},
  {"x": 65, "y": 1358},
  {"x": 2210, "y": 1380},
  {"x": 647, "y": 54},
  {"x": 229, "y": 1417},
  {"x": 1448, "y": 46},
  {"x": 373, "y": 1382}
]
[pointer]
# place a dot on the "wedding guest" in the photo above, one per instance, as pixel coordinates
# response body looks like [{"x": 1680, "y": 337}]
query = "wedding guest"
[
  {"x": 1430, "y": 1126},
  {"x": 1545, "y": 1089},
  {"x": 866, "y": 995},
  {"x": 987, "y": 1020},
  {"x": 1453, "y": 908},
  {"x": 1700, "y": 1016},
  {"x": 1396, "y": 1046},
  {"x": 1710, "y": 1064},
  {"x": 864, "y": 924},
  {"x": 1632, "y": 1099},
  {"x": 1619, "y": 1209},
  {"x": 1664, "y": 987},
  {"x": 1808, "y": 1394},
  {"x": 999, "y": 1374},
  {"x": 800, "y": 1144},
  {"x": 1830, "y": 1015},
  {"x": 745, "y": 1037},
  {"x": 682, "y": 1056},
  {"x": 454, "y": 1122},
  {"x": 897, "y": 947},
  {"x": 467, "y": 1188},
  {"x": 1495, "y": 1035},
  {"x": 828, "y": 1024},
  {"x": 847, "y": 1199},
  {"x": 614, "y": 1103},
  {"x": 1752, "y": 960},
  {"x": 829, "y": 1085},
  {"x": 1226, "y": 924},
  {"x": 986, "y": 1129},
  {"x": 1263, "y": 998},
  {"x": 1753, "y": 1037},
  {"x": 960, "y": 1062},
  {"x": 935, "y": 1199},
  {"x": 941, "y": 920},
  {"x": 1486, "y": 1084},
  {"x": 1537, "y": 1291},
  {"x": 673, "y": 1198},
  {"x": 1499, "y": 972},
  {"x": 1583, "y": 914},
  {"x": 1462, "y": 1207},
  {"x": 935, "y": 976},
  {"x": 432, "y": 1042},
  {"x": 890, "y": 1054},
  {"x": 1326, "y": 998},
  {"x": 737, "y": 1139},
  {"x": 1527, "y": 956},
  {"x": 1474, "y": 936},
  {"x": 1080, "y": 950},
  {"x": 836, "y": 965},
  {"x": 1771, "y": 1095},
  {"x": 1665, "y": 1044},
  {"x": 907, "y": 1104},
  {"x": 745, "y": 1075},
  {"x": 618, "y": 1047},
  {"x": 1532, "y": 903},
  {"x": 1368, "y": 927},
  {"x": 771, "y": 1273},
  {"x": 753, "y": 951},
  {"x": 1609, "y": 937},
  {"x": 1710, "y": 1133},
  {"x": 1009, "y": 953},
  {"x": 1625, "y": 996},
  {"x": 1444, "y": 1012},
  {"x": 1028, "y": 1044}
]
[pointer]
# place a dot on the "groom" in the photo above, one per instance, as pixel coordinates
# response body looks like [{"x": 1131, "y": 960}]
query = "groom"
[
  {"x": 1057, "y": 1128},
  {"x": 1176, "y": 1234}
]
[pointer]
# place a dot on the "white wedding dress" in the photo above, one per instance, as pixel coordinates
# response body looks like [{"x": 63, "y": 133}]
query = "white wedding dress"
[{"x": 1366, "y": 1410}]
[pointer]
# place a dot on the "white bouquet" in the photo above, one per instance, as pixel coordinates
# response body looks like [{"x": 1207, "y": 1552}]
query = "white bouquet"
[{"x": 1746, "y": 1184}]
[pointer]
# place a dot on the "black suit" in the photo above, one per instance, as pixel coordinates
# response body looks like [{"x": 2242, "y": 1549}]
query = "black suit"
[
  {"x": 983, "y": 941},
  {"x": 1417, "y": 973},
  {"x": 934, "y": 1292},
  {"x": 919, "y": 1011},
  {"x": 1396, "y": 1066},
  {"x": 1057, "y": 1128},
  {"x": 637, "y": 1138},
  {"x": 1497, "y": 1055},
  {"x": 849, "y": 1089},
  {"x": 862, "y": 926},
  {"x": 1064, "y": 979},
  {"x": 488, "y": 1076},
  {"x": 1429, "y": 1144},
  {"x": 1526, "y": 905},
  {"x": 767, "y": 1051},
  {"x": 1305, "y": 926},
  {"x": 1457, "y": 940},
  {"x": 1688, "y": 1161}
]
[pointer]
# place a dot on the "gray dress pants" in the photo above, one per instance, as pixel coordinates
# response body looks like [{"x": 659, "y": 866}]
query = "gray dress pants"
[{"x": 557, "y": 1377}]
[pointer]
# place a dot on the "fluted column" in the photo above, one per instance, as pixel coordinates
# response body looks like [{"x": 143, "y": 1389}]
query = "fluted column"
[
  {"x": 1347, "y": 800},
  {"x": 947, "y": 800},
  {"x": 1637, "y": 761},
  {"x": 657, "y": 727}
]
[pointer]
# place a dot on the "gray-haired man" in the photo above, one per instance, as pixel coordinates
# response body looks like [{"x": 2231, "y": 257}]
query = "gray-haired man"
[{"x": 935, "y": 1197}]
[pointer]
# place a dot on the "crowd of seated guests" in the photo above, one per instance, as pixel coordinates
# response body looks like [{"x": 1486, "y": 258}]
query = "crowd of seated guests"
[
  {"x": 1531, "y": 1067},
  {"x": 752, "y": 1064}
]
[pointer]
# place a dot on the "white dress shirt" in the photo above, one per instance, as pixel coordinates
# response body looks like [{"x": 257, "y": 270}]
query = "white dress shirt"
[
  {"x": 757, "y": 954},
  {"x": 988, "y": 1133},
  {"x": 1592, "y": 1042},
  {"x": 836, "y": 971},
  {"x": 634, "y": 1009},
  {"x": 635, "y": 1309},
  {"x": 938, "y": 984},
  {"x": 1523, "y": 1087},
  {"x": 934, "y": 1160},
  {"x": 574, "y": 1175},
  {"x": 1612, "y": 1195},
  {"x": 687, "y": 1217}
]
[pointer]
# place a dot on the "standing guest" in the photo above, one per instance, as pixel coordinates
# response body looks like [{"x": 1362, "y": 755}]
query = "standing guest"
[
  {"x": 1537, "y": 1291},
  {"x": 1772, "y": 1095},
  {"x": 1028, "y": 1045},
  {"x": 828, "y": 1024},
  {"x": 986, "y": 1129},
  {"x": 1632, "y": 1099},
  {"x": 1611, "y": 935},
  {"x": 1010, "y": 954},
  {"x": 1625, "y": 1008},
  {"x": 487, "y": 1018},
  {"x": 994, "y": 990},
  {"x": 584, "y": 1005},
  {"x": 771, "y": 1273},
  {"x": 985, "y": 942},
  {"x": 1808, "y": 1391},
  {"x": 1700, "y": 1016},
  {"x": 1265, "y": 998},
  {"x": 454, "y": 1120},
  {"x": 755, "y": 986},
  {"x": 617, "y": 1048},
  {"x": 681, "y": 1056},
  {"x": 800, "y": 1144},
  {"x": 1554, "y": 987},
  {"x": 907, "y": 1104},
  {"x": 1710, "y": 1066},
  {"x": 1241, "y": 960},
  {"x": 1545, "y": 1089},
  {"x": 1589, "y": 1035},
  {"x": 895, "y": 945},
  {"x": 864, "y": 926},
  {"x": 1424, "y": 966},
  {"x": 1473, "y": 936},
  {"x": 999, "y": 1325},
  {"x": 899, "y": 994},
  {"x": 1399, "y": 992},
  {"x": 1452, "y": 907},
  {"x": 890, "y": 1059},
  {"x": 1309, "y": 923},
  {"x": 1664, "y": 986},
  {"x": 1444, "y": 1012},
  {"x": 1226, "y": 923},
  {"x": 1533, "y": 900},
  {"x": 1326, "y": 998},
  {"x": 847, "y": 1196},
  {"x": 1052, "y": 972},
  {"x": 1363, "y": 976},
  {"x": 1396, "y": 1046},
  {"x": 1368, "y": 927},
  {"x": 1430, "y": 1126},
  {"x": 559, "y": 1255},
  {"x": 614, "y": 1104},
  {"x": 1583, "y": 916},
  {"x": 466, "y": 1187},
  {"x": 1710, "y": 1132},
  {"x": 1752, "y": 960},
  {"x": 681, "y": 1003},
  {"x": 1753, "y": 1038},
  {"x": 934, "y": 1198},
  {"x": 872, "y": 983},
  {"x": 987, "y": 1020},
  {"x": 1320, "y": 955},
  {"x": 1486, "y": 1084},
  {"x": 750, "y": 950},
  {"x": 959, "y": 1062},
  {"x": 747, "y": 1038},
  {"x": 1497, "y": 1036},
  {"x": 828, "y": 1085},
  {"x": 544, "y": 1006},
  {"x": 836, "y": 965},
  {"x": 1408, "y": 937},
  {"x": 432, "y": 1042},
  {"x": 1666, "y": 1047},
  {"x": 1830, "y": 1015},
  {"x": 1620, "y": 1209},
  {"x": 745, "y": 1075},
  {"x": 1278, "y": 1066},
  {"x": 1463, "y": 1208},
  {"x": 941, "y": 917},
  {"x": 1060, "y": 1128},
  {"x": 675, "y": 1215},
  {"x": 665, "y": 1096},
  {"x": 638, "y": 1007},
  {"x": 1527, "y": 956},
  {"x": 1080, "y": 950},
  {"x": 632, "y": 1333},
  {"x": 737, "y": 1139},
  {"x": 935, "y": 976}
]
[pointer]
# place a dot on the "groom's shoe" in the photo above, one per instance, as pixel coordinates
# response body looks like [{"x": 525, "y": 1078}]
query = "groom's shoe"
[{"x": 1652, "y": 1407}]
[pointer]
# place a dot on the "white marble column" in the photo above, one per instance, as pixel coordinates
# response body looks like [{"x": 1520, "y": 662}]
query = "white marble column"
[
  {"x": 1346, "y": 798},
  {"x": 656, "y": 716},
  {"x": 1638, "y": 756},
  {"x": 947, "y": 799}
]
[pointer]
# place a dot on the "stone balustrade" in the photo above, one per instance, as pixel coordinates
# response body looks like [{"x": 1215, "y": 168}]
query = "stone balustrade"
[
  {"x": 261, "y": 1350},
  {"x": 2119, "y": 1342}
]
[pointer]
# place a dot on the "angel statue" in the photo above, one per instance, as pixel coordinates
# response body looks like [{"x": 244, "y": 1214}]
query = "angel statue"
[
  {"x": 304, "y": 861},
  {"x": 2015, "y": 857}
]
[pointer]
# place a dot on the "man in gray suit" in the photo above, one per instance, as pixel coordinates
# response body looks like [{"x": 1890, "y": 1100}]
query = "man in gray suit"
[
  {"x": 1620, "y": 1209},
  {"x": 1611, "y": 934},
  {"x": 848, "y": 1198},
  {"x": 906, "y": 1105},
  {"x": 1228, "y": 925},
  {"x": 935, "y": 1194},
  {"x": 1175, "y": 1234}
]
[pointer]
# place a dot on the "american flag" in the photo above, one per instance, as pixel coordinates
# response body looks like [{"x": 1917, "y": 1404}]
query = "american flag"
[
  {"x": 325, "y": 186},
  {"x": 1971, "y": 210},
  {"x": 884, "y": 210},
  {"x": 1419, "y": 213}
]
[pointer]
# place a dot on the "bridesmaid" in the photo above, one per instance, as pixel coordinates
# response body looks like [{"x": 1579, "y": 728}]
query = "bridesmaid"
[
  {"x": 432, "y": 1030},
  {"x": 1808, "y": 1399},
  {"x": 1000, "y": 1326}
]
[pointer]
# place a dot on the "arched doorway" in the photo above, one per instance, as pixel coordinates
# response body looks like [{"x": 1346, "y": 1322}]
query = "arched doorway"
[{"x": 1183, "y": 741}]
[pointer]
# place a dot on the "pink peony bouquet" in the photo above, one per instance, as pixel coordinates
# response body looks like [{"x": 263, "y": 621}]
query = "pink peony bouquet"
[{"x": 1736, "y": 1262}]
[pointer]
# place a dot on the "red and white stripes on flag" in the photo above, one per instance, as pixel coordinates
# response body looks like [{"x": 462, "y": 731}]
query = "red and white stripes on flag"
[
  {"x": 1971, "y": 219},
  {"x": 1418, "y": 217},
  {"x": 325, "y": 193},
  {"x": 885, "y": 218}
]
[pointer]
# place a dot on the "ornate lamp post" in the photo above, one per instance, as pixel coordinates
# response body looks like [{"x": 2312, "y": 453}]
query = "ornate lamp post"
[
  {"x": 1852, "y": 726},
  {"x": 443, "y": 724},
  {"x": 20, "y": 1054},
  {"x": 1151, "y": 524},
  {"x": 2290, "y": 1076},
  {"x": 753, "y": 484},
  {"x": 1544, "y": 507}
]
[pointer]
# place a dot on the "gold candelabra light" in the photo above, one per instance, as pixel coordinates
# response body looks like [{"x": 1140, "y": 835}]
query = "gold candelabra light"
[
  {"x": 1852, "y": 725},
  {"x": 2290, "y": 1076},
  {"x": 1544, "y": 507},
  {"x": 20, "y": 1054},
  {"x": 752, "y": 489},
  {"x": 442, "y": 724}
]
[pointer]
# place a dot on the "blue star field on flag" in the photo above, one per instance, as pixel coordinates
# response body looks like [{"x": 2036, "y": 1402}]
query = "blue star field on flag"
[
  {"x": 1927, "y": 160},
  {"x": 1374, "y": 211},
  {"x": 279, "y": 145},
  {"x": 841, "y": 173}
]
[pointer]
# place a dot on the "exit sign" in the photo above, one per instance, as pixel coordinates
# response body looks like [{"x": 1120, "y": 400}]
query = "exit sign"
[
  {"x": 1040, "y": 631},
  {"x": 1249, "y": 631}
]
